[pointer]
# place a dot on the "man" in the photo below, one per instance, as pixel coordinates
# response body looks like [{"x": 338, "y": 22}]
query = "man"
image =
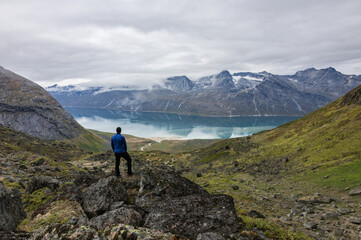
[{"x": 119, "y": 146}]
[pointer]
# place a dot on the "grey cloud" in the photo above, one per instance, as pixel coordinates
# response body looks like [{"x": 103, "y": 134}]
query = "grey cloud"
[{"x": 141, "y": 42}]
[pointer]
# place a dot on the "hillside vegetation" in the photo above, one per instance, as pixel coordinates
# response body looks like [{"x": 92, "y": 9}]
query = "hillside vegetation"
[{"x": 315, "y": 157}]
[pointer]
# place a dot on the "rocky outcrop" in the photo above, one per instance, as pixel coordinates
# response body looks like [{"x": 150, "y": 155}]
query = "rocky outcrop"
[
  {"x": 156, "y": 185},
  {"x": 194, "y": 214},
  {"x": 41, "y": 182},
  {"x": 158, "y": 204},
  {"x": 11, "y": 209},
  {"x": 353, "y": 97},
  {"x": 175, "y": 204},
  {"x": 27, "y": 107},
  {"x": 99, "y": 197}
]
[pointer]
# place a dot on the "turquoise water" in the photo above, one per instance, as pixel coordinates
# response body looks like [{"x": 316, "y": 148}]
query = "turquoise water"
[{"x": 166, "y": 125}]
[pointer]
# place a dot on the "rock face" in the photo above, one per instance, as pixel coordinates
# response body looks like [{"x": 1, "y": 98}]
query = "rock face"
[
  {"x": 26, "y": 107},
  {"x": 11, "y": 209}
]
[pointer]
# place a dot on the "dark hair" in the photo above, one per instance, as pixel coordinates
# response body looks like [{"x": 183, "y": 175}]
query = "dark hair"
[{"x": 119, "y": 129}]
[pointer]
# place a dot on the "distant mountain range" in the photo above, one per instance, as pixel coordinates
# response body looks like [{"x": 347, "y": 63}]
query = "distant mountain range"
[
  {"x": 27, "y": 107},
  {"x": 222, "y": 94}
]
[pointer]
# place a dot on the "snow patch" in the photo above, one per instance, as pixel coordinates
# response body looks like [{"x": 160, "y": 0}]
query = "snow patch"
[
  {"x": 250, "y": 78},
  {"x": 293, "y": 80}
]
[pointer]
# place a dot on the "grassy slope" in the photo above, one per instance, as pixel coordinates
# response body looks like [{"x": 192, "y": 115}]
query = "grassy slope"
[
  {"x": 90, "y": 141},
  {"x": 326, "y": 142},
  {"x": 319, "y": 153}
]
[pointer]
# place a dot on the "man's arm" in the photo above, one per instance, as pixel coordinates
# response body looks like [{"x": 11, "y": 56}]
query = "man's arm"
[
  {"x": 112, "y": 144},
  {"x": 125, "y": 145}
]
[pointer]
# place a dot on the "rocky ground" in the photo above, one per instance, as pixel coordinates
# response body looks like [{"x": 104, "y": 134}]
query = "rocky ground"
[
  {"x": 65, "y": 199},
  {"x": 327, "y": 215},
  {"x": 74, "y": 203}
]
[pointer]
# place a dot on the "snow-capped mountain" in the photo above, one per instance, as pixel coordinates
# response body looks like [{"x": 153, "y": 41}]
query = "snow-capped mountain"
[{"x": 222, "y": 94}]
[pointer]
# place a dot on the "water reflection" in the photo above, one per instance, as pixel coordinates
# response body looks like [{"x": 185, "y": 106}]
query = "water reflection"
[{"x": 173, "y": 125}]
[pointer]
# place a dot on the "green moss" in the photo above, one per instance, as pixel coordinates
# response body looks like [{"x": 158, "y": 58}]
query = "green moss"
[
  {"x": 66, "y": 184},
  {"x": 272, "y": 230},
  {"x": 36, "y": 199},
  {"x": 51, "y": 219},
  {"x": 340, "y": 176},
  {"x": 11, "y": 185},
  {"x": 210, "y": 157}
]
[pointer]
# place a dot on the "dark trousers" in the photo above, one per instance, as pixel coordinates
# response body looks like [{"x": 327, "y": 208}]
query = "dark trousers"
[{"x": 126, "y": 156}]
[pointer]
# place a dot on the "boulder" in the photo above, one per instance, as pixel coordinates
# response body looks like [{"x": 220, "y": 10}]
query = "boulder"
[
  {"x": 194, "y": 214},
  {"x": 158, "y": 184},
  {"x": 310, "y": 225},
  {"x": 41, "y": 182},
  {"x": 329, "y": 215},
  {"x": 178, "y": 205},
  {"x": 98, "y": 198},
  {"x": 124, "y": 215},
  {"x": 255, "y": 214},
  {"x": 11, "y": 208},
  {"x": 355, "y": 220},
  {"x": 344, "y": 211},
  {"x": 355, "y": 192}
]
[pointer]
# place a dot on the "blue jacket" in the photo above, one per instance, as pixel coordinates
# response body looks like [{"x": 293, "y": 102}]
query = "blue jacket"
[{"x": 119, "y": 144}]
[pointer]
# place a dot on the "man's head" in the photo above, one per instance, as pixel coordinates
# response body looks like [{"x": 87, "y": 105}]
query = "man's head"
[{"x": 119, "y": 130}]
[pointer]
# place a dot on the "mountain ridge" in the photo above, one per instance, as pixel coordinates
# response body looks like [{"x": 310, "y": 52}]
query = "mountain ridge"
[{"x": 225, "y": 94}]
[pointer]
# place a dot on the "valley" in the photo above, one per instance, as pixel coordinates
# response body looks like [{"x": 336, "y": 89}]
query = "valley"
[{"x": 301, "y": 180}]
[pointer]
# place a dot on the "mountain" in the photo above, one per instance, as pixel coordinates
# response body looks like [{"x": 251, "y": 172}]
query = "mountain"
[
  {"x": 27, "y": 107},
  {"x": 223, "y": 94},
  {"x": 179, "y": 84},
  {"x": 327, "y": 82},
  {"x": 221, "y": 80}
]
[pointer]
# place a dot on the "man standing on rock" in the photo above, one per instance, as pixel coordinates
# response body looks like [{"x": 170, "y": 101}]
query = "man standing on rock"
[{"x": 119, "y": 146}]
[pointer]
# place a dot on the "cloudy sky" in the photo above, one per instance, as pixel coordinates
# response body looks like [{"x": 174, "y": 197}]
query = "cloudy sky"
[{"x": 140, "y": 42}]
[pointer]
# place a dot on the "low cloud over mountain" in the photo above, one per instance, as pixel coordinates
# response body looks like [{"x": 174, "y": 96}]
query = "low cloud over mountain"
[{"x": 222, "y": 94}]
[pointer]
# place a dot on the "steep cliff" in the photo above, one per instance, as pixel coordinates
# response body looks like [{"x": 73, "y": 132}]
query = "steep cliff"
[{"x": 27, "y": 107}]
